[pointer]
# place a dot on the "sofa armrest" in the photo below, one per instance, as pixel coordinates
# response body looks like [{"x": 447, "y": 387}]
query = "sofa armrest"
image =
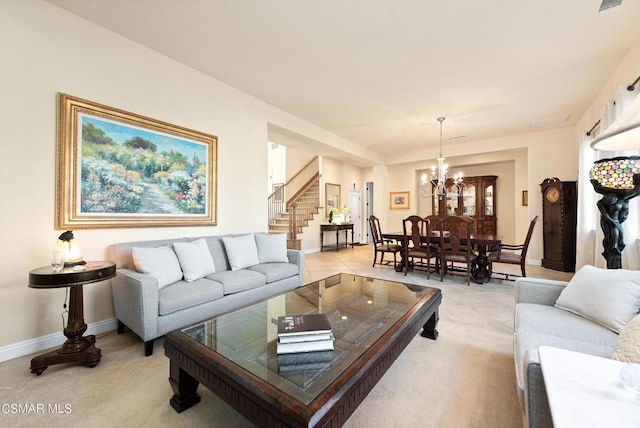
[
  {"x": 540, "y": 291},
  {"x": 135, "y": 298},
  {"x": 297, "y": 257},
  {"x": 536, "y": 401}
]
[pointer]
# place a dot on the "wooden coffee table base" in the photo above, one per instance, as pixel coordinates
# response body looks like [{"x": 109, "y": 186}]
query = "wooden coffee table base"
[{"x": 192, "y": 363}]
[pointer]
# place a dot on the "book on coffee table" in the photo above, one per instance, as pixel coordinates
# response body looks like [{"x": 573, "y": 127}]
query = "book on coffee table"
[
  {"x": 307, "y": 324},
  {"x": 305, "y": 361},
  {"x": 305, "y": 346}
]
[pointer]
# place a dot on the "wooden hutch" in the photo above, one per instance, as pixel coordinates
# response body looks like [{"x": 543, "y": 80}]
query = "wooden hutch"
[{"x": 478, "y": 201}]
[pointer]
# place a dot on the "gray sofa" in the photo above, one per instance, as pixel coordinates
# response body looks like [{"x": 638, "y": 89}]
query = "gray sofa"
[
  {"x": 151, "y": 311},
  {"x": 538, "y": 322}
]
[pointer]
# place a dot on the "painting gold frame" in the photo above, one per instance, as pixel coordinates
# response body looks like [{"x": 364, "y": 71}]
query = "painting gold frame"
[
  {"x": 399, "y": 200},
  {"x": 116, "y": 169}
]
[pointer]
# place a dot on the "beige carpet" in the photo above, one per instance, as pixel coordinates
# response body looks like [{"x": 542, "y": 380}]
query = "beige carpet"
[{"x": 463, "y": 379}]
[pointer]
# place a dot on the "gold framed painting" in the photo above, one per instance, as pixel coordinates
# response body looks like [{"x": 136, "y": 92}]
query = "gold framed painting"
[
  {"x": 119, "y": 169},
  {"x": 399, "y": 200}
]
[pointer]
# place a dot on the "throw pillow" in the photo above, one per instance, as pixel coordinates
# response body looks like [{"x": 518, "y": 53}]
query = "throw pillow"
[
  {"x": 241, "y": 251},
  {"x": 272, "y": 248},
  {"x": 628, "y": 344},
  {"x": 195, "y": 259},
  {"x": 610, "y": 297},
  {"x": 160, "y": 262}
]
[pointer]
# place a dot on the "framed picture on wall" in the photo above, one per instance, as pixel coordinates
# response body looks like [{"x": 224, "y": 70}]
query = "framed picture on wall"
[
  {"x": 119, "y": 169},
  {"x": 399, "y": 200}
]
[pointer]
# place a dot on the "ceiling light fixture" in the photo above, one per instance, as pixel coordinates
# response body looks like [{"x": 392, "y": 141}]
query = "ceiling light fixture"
[{"x": 438, "y": 178}]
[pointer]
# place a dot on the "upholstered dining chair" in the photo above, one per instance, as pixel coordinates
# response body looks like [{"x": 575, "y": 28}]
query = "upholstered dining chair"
[
  {"x": 382, "y": 245},
  {"x": 456, "y": 246},
  {"x": 512, "y": 254},
  {"x": 417, "y": 244}
]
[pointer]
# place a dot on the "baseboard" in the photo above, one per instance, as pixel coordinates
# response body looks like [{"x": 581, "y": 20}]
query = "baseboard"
[
  {"x": 535, "y": 262},
  {"x": 49, "y": 341}
]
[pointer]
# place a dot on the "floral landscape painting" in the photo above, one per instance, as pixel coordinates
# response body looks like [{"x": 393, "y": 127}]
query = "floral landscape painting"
[
  {"x": 118, "y": 169},
  {"x": 131, "y": 170}
]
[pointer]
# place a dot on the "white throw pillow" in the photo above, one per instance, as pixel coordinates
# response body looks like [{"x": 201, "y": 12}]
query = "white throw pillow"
[
  {"x": 195, "y": 259},
  {"x": 159, "y": 262},
  {"x": 610, "y": 297},
  {"x": 628, "y": 344},
  {"x": 241, "y": 251},
  {"x": 272, "y": 248}
]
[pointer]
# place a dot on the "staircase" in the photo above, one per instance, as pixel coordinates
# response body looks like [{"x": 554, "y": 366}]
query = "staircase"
[{"x": 292, "y": 216}]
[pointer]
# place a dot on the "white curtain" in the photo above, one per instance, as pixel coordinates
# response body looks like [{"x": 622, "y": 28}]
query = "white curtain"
[
  {"x": 589, "y": 233},
  {"x": 588, "y": 252}
]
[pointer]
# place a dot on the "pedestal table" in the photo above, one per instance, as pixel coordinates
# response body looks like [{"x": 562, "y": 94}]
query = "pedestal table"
[{"x": 77, "y": 348}]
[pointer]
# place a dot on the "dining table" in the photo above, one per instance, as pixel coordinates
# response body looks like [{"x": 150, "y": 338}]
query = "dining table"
[{"x": 480, "y": 242}]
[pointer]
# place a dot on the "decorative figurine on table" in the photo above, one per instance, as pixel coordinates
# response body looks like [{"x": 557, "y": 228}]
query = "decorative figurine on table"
[
  {"x": 71, "y": 249},
  {"x": 618, "y": 181}
]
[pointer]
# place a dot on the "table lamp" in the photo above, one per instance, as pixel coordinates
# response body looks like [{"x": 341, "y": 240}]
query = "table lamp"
[
  {"x": 617, "y": 180},
  {"x": 71, "y": 249}
]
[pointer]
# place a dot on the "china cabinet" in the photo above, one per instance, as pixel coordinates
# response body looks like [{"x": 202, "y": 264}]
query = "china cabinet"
[{"x": 478, "y": 200}]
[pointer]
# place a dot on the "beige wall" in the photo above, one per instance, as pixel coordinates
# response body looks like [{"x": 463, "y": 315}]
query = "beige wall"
[{"x": 52, "y": 51}]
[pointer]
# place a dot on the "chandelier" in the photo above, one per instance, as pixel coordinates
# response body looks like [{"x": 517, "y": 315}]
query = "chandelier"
[{"x": 438, "y": 178}]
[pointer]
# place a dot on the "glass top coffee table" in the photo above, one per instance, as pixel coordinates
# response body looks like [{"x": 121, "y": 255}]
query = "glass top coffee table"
[{"x": 234, "y": 355}]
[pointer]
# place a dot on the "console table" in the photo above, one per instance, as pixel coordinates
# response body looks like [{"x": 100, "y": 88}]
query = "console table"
[
  {"x": 77, "y": 348},
  {"x": 337, "y": 228},
  {"x": 584, "y": 390}
]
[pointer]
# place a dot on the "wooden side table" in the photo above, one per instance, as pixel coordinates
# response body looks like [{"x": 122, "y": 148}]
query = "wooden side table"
[
  {"x": 77, "y": 348},
  {"x": 337, "y": 228}
]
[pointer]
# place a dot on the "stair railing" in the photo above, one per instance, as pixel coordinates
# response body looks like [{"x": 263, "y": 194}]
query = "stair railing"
[{"x": 279, "y": 201}]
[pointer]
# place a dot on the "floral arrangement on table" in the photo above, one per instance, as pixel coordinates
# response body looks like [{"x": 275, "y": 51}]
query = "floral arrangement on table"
[{"x": 339, "y": 214}]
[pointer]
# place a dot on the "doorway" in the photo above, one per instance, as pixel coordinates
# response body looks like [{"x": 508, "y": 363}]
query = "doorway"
[
  {"x": 354, "y": 208},
  {"x": 368, "y": 208}
]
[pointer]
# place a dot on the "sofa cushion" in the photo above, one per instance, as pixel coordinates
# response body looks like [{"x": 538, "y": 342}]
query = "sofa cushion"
[
  {"x": 239, "y": 280},
  {"x": 182, "y": 295},
  {"x": 553, "y": 321},
  {"x": 272, "y": 248},
  {"x": 628, "y": 345},
  {"x": 218, "y": 253},
  {"x": 195, "y": 259},
  {"x": 161, "y": 263},
  {"x": 241, "y": 251},
  {"x": 610, "y": 297},
  {"x": 276, "y": 271}
]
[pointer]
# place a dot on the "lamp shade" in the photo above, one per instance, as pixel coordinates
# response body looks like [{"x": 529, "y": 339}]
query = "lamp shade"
[
  {"x": 616, "y": 173},
  {"x": 627, "y": 138}
]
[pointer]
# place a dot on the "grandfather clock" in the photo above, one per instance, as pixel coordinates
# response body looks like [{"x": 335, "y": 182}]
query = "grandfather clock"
[{"x": 559, "y": 220}]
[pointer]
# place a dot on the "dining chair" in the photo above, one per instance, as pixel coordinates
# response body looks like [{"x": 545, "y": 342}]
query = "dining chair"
[
  {"x": 456, "y": 247},
  {"x": 436, "y": 230},
  {"x": 514, "y": 254},
  {"x": 382, "y": 245},
  {"x": 416, "y": 244}
]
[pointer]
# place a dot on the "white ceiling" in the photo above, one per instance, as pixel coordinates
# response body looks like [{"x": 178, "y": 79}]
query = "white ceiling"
[{"x": 379, "y": 72}]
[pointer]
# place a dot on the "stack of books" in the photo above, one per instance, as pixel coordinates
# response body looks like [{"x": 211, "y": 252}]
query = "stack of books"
[{"x": 305, "y": 342}]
